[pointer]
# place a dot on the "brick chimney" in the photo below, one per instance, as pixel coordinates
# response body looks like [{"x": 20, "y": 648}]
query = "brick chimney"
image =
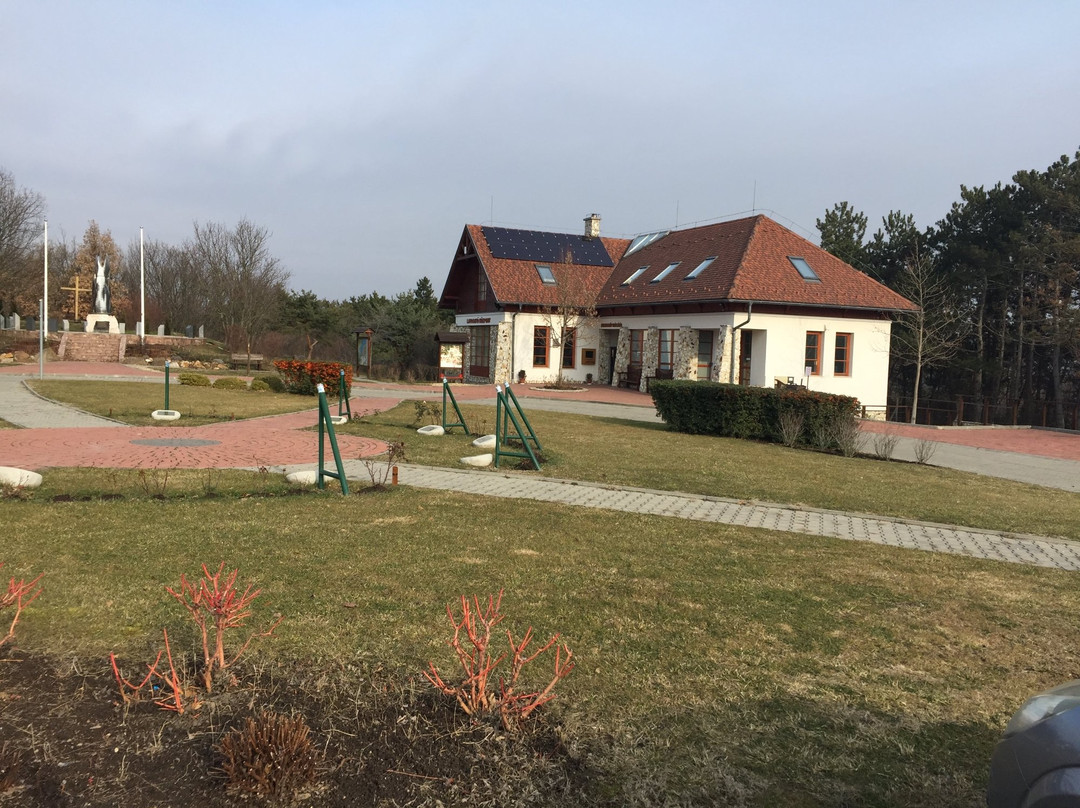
[{"x": 592, "y": 225}]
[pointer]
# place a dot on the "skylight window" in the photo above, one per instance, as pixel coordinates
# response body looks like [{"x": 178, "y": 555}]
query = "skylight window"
[
  {"x": 643, "y": 241},
  {"x": 806, "y": 272},
  {"x": 636, "y": 274},
  {"x": 546, "y": 275},
  {"x": 700, "y": 268},
  {"x": 665, "y": 272}
]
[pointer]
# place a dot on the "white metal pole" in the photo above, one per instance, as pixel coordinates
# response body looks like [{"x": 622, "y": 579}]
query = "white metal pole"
[
  {"x": 142, "y": 289},
  {"x": 44, "y": 308}
]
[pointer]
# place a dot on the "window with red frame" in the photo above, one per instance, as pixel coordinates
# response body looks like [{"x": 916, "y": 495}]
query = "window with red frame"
[
  {"x": 842, "y": 354},
  {"x": 813, "y": 352},
  {"x": 540, "y": 346},
  {"x": 569, "y": 340}
]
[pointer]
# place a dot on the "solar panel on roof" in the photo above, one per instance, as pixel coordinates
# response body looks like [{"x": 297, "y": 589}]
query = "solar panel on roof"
[{"x": 535, "y": 245}]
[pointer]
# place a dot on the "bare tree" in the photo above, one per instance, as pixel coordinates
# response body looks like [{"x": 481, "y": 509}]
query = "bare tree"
[
  {"x": 21, "y": 215},
  {"x": 245, "y": 283},
  {"x": 934, "y": 332},
  {"x": 176, "y": 292},
  {"x": 572, "y": 311}
]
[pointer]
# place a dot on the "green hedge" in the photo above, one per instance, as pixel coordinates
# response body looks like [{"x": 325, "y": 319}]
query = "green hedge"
[
  {"x": 273, "y": 381},
  {"x": 194, "y": 380},
  {"x": 735, "y": 411},
  {"x": 230, "y": 383}
]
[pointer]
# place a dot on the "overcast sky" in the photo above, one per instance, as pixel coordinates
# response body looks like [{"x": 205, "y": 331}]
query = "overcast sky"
[{"x": 365, "y": 135}]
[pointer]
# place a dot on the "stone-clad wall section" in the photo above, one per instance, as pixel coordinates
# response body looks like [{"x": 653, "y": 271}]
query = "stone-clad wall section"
[
  {"x": 622, "y": 355},
  {"x": 721, "y": 358},
  {"x": 649, "y": 355},
  {"x": 684, "y": 362},
  {"x": 502, "y": 353}
]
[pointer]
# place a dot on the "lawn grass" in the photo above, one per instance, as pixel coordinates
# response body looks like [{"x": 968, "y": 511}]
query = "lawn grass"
[
  {"x": 132, "y": 402},
  {"x": 649, "y": 456},
  {"x": 717, "y": 665}
]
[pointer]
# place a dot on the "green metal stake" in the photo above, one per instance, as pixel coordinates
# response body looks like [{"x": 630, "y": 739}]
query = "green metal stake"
[
  {"x": 521, "y": 412},
  {"x": 166, "y": 384},
  {"x": 343, "y": 398},
  {"x": 326, "y": 426},
  {"x": 446, "y": 391}
]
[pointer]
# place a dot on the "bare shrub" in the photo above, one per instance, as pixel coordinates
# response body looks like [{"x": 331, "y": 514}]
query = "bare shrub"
[
  {"x": 271, "y": 756},
  {"x": 427, "y": 412},
  {"x": 791, "y": 426},
  {"x": 822, "y": 434},
  {"x": 924, "y": 450},
  {"x": 380, "y": 467},
  {"x": 846, "y": 435},
  {"x": 885, "y": 445}
]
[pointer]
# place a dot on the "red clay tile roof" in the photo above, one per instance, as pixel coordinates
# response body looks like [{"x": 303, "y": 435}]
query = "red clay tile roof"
[{"x": 751, "y": 264}]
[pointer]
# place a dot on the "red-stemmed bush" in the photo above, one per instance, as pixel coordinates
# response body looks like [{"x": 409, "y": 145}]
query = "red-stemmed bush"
[
  {"x": 302, "y": 377},
  {"x": 474, "y": 693},
  {"x": 20, "y": 594},
  {"x": 217, "y": 604}
]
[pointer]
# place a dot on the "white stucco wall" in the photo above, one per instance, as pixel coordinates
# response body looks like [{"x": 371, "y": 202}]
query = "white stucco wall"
[
  {"x": 779, "y": 346},
  {"x": 784, "y": 354}
]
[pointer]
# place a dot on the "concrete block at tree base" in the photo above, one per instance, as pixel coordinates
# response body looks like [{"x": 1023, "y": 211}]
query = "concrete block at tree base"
[
  {"x": 431, "y": 431},
  {"x": 19, "y": 478},
  {"x": 304, "y": 477},
  {"x": 485, "y": 442},
  {"x": 479, "y": 460},
  {"x": 338, "y": 420},
  {"x": 164, "y": 415}
]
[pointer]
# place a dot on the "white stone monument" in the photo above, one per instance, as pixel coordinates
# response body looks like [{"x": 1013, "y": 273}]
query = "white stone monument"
[{"x": 102, "y": 302}]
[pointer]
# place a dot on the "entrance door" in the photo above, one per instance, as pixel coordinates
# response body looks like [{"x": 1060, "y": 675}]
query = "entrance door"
[{"x": 611, "y": 363}]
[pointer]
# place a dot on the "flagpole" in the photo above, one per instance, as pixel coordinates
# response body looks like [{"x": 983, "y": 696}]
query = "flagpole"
[
  {"x": 142, "y": 289},
  {"x": 44, "y": 308}
]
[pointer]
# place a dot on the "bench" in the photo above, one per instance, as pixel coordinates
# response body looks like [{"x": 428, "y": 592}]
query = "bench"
[
  {"x": 246, "y": 360},
  {"x": 631, "y": 378},
  {"x": 660, "y": 374}
]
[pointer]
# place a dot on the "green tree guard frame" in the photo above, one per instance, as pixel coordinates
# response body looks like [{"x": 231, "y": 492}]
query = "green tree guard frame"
[
  {"x": 446, "y": 391},
  {"x": 517, "y": 405},
  {"x": 327, "y": 426},
  {"x": 343, "y": 405},
  {"x": 504, "y": 416}
]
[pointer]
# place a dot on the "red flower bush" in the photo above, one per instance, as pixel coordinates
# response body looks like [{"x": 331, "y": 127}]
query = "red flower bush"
[{"x": 302, "y": 377}]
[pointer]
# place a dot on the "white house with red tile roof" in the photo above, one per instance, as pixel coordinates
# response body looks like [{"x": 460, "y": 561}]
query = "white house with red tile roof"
[{"x": 746, "y": 301}]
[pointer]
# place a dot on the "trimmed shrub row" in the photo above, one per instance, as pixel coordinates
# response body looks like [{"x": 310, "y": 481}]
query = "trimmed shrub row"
[
  {"x": 258, "y": 384},
  {"x": 735, "y": 411},
  {"x": 301, "y": 377}
]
